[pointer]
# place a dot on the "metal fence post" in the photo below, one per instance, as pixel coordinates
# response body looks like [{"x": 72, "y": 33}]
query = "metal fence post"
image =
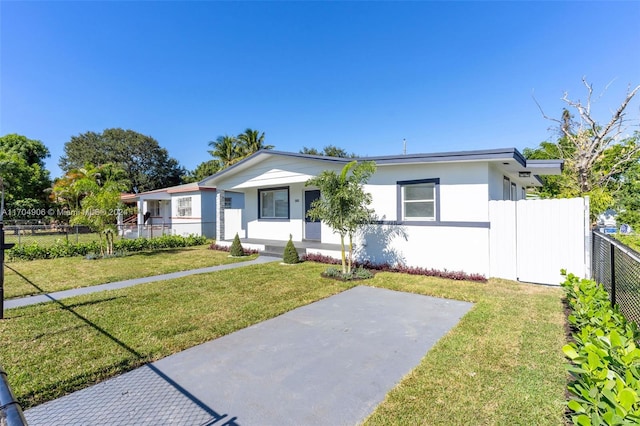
[
  {"x": 613, "y": 273},
  {"x": 10, "y": 410}
]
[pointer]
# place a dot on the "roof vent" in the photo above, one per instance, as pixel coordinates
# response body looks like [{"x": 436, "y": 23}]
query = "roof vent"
[{"x": 524, "y": 174}]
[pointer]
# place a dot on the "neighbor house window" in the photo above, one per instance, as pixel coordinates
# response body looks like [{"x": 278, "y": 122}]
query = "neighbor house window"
[
  {"x": 524, "y": 193},
  {"x": 227, "y": 202},
  {"x": 184, "y": 206},
  {"x": 153, "y": 208},
  {"x": 514, "y": 192},
  {"x": 506, "y": 188},
  {"x": 273, "y": 203},
  {"x": 418, "y": 199}
]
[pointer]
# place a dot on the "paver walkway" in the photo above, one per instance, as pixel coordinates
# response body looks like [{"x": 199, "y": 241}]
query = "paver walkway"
[
  {"x": 58, "y": 295},
  {"x": 328, "y": 363}
]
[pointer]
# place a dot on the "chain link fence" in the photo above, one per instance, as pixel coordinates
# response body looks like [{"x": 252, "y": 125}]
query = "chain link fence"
[
  {"x": 41, "y": 234},
  {"x": 617, "y": 268}
]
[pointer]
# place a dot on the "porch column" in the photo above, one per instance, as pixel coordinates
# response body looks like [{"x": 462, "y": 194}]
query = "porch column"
[
  {"x": 219, "y": 215},
  {"x": 140, "y": 216}
]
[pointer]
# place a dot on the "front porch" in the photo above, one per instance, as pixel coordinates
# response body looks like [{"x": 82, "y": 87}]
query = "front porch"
[{"x": 276, "y": 247}]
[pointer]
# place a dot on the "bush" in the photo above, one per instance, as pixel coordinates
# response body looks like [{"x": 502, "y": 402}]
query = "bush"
[
  {"x": 67, "y": 249},
  {"x": 236, "y": 247},
  {"x": 605, "y": 359},
  {"x": 290, "y": 253}
]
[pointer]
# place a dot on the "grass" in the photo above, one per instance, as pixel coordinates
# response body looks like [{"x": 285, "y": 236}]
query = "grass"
[
  {"x": 24, "y": 278},
  {"x": 502, "y": 364},
  {"x": 632, "y": 241}
]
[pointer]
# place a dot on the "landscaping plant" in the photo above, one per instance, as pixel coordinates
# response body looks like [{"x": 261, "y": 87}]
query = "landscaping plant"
[
  {"x": 290, "y": 253},
  {"x": 236, "y": 247},
  {"x": 605, "y": 358}
]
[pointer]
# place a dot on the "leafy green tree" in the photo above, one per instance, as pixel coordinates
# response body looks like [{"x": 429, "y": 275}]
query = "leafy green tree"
[
  {"x": 147, "y": 166},
  {"x": 328, "y": 151},
  {"x": 343, "y": 204},
  {"x": 204, "y": 169},
  {"x": 25, "y": 179},
  {"x": 628, "y": 206}
]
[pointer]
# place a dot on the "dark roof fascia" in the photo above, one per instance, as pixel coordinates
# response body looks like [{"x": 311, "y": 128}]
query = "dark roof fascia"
[
  {"x": 546, "y": 164},
  {"x": 487, "y": 154}
]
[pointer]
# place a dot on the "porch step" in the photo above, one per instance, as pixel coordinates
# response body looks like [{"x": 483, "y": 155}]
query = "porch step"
[{"x": 278, "y": 251}]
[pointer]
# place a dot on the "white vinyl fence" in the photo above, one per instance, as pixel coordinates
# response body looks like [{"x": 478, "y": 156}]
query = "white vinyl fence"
[{"x": 532, "y": 240}]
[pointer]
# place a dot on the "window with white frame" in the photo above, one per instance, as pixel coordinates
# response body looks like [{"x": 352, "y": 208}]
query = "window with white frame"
[
  {"x": 153, "y": 208},
  {"x": 418, "y": 200},
  {"x": 273, "y": 203},
  {"x": 184, "y": 206}
]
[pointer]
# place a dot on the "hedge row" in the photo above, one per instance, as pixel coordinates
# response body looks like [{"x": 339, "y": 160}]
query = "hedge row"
[
  {"x": 66, "y": 249},
  {"x": 605, "y": 361},
  {"x": 412, "y": 270}
]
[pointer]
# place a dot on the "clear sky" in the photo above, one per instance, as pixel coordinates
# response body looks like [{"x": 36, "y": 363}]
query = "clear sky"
[{"x": 445, "y": 76}]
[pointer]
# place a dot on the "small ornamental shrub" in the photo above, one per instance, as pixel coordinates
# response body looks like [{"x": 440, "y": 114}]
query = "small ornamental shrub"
[
  {"x": 236, "y": 247},
  {"x": 290, "y": 253}
]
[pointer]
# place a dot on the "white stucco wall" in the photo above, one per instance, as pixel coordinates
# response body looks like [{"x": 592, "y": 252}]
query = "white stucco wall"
[
  {"x": 463, "y": 189},
  {"x": 438, "y": 247}
]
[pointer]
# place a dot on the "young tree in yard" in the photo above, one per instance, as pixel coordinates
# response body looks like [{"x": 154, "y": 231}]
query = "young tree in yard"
[
  {"x": 96, "y": 190},
  {"x": 343, "y": 204},
  {"x": 596, "y": 154}
]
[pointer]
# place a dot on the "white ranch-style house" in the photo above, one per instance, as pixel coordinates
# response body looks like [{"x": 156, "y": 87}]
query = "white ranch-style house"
[
  {"x": 433, "y": 210},
  {"x": 188, "y": 209}
]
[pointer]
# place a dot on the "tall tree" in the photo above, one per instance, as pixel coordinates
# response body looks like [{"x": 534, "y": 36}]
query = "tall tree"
[
  {"x": 251, "y": 141},
  {"x": 595, "y": 154},
  {"x": 343, "y": 204},
  {"x": 25, "y": 179},
  {"x": 146, "y": 164},
  {"x": 226, "y": 149},
  {"x": 328, "y": 151}
]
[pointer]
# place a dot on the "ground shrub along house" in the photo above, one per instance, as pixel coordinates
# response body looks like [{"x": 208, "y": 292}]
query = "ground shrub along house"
[
  {"x": 188, "y": 209},
  {"x": 432, "y": 210}
]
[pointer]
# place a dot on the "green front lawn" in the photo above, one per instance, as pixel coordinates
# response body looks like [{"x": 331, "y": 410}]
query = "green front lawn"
[
  {"x": 25, "y": 278},
  {"x": 502, "y": 364}
]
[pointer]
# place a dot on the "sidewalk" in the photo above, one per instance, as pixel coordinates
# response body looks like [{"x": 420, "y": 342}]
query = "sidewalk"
[{"x": 58, "y": 295}]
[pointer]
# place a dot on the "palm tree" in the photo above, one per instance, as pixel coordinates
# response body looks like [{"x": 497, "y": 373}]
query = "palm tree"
[
  {"x": 252, "y": 141},
  {"x": 226, "y": 149}
]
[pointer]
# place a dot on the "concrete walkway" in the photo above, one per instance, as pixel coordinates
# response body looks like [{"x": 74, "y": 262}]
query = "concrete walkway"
[
  {"x": 58, "y": 295},
  {"x": 328, "y": 363}
]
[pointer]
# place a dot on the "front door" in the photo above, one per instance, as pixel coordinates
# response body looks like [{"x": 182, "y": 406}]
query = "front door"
[{"x": 311, "y": 227}]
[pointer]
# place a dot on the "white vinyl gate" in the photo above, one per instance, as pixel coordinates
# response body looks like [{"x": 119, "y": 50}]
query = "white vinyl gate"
[{"x": 532, "y": 240}]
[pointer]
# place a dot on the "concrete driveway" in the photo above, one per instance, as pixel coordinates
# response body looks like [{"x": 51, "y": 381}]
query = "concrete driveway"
[{"x": 328, "y": 363}]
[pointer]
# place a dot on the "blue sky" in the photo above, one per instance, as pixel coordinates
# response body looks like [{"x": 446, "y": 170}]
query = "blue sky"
[{"x": 360, "y": 75}]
